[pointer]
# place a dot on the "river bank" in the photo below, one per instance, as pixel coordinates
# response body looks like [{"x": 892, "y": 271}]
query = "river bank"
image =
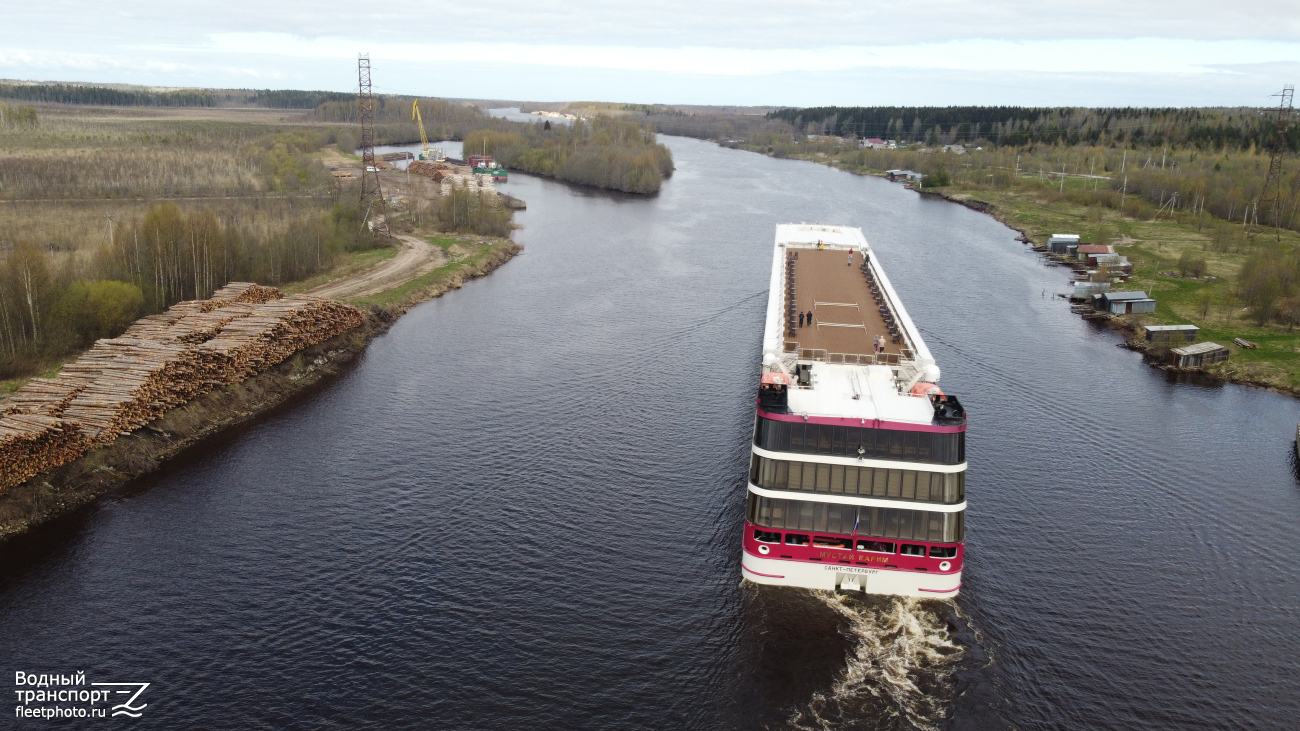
[
  {"x": 357, "y": 537},
  {"x": 1158, "y": 249},
  {"x": 103, "y": 471}
]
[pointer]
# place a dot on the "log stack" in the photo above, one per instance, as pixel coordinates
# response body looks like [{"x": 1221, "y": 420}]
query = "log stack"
[
  {"x": 48, "y": 395},
  {"x": 435, "y": 170},
  {"x": 237, "y": 292},
  {"x": 272, "y": 332},
  {"x": 138, "y": 381},
  {"x": 160, "y": 362},
  {"x": 33, "y": 443}
]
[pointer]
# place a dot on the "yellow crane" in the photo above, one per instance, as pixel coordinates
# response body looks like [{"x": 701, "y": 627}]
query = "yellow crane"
[{"x": 424, "y": 140}]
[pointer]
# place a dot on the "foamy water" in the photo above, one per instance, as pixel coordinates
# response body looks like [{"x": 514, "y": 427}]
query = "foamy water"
[{"x": 898, "y": 672}]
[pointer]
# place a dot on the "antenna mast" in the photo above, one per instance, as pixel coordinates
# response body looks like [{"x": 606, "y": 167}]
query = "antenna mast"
[{"x": 370, "y": 190}]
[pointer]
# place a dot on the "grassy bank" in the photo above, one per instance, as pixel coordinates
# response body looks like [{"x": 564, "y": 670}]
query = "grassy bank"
[
  {"x": 1168, "y": 257},
  {"x": 471, "y": 257},
  {"x": 346, "y": 265},
  {"x": 1190, "y": 262}
]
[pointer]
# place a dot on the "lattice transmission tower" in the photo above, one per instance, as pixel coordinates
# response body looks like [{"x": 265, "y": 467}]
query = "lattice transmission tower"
[
  {"x": 1281, "y": 135},
  {"x": 371, "y": 193}
]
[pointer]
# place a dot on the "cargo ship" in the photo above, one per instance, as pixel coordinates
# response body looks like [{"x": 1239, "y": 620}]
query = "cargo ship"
[
  {"x": 857, "y": 477},
  {"x": 485, "y": 165}
]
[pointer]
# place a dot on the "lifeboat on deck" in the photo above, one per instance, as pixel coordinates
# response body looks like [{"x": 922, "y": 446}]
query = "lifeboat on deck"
[
  {"x": 927, "y": 389},
  {"x": 774, "y": 391}
]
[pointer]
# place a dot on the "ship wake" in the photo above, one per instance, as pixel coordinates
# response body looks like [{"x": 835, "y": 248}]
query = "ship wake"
[{"x": 899, "y": 670}]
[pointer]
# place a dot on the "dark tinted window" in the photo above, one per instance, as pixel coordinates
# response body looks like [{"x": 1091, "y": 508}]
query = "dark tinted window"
[
  {"x": 943, "y": 551},
  {"x": 794, "y": 539},
  {"x": 764, "y": 536},
  {"x": 934, "y": 487},
  {"x": 846, "y": 441},
  {"x": 869, "y": 522},
  {"x": 828, "y": 542},
  {"x": 876, "y": 546},
  {"x": 911, "y": 550}
]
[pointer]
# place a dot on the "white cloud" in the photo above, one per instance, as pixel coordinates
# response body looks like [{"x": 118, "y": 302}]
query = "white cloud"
[
  {"x": 688, "y": 51},
  {"x": 1138, "y": 55}
]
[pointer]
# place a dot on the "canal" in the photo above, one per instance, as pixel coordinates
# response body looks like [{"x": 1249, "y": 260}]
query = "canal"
[{"x": 522, "y": 508}]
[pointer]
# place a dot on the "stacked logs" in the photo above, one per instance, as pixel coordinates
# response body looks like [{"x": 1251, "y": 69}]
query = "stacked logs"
[
  {"x": 237, "y": 292},
  {"x": 477, "y": 182},
  {"x": 138, "y": 381},
  {"x": 48, "y": 395},
  {"x": 160, "y": 362},
  {"x": 435, "y": 170},
  {"x": 33, "y": 443},
  {"x": 270, "y": 333}
]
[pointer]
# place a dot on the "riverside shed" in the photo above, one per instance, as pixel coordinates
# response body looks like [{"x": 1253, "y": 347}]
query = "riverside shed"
[
  {"x": 897, "y": 175},
  {"x": 1057, "y": 243},
  {"x": 1084, "y": 290},
  {"x": 1125, "y": 303},
  {"x": 1198, "y": 355},
  {"x": 1160, "y": 334},
  {"x": 1085, "y": 249}
]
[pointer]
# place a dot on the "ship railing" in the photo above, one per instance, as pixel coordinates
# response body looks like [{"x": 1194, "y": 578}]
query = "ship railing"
[{"x": 904, "y": 356}]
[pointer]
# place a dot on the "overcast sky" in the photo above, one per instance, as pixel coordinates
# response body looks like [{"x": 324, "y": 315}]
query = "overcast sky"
[{"x": 755, "y": 52}]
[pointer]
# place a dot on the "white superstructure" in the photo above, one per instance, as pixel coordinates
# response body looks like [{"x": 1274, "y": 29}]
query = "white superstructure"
[{"x": 857, "y": 478}]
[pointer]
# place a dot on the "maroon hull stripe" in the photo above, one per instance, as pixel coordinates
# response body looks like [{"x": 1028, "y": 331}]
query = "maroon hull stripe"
[{"x": 868, "y": 423}]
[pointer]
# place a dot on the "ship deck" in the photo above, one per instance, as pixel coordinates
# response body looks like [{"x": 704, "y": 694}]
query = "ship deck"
[{"x": 845, "y": 315}]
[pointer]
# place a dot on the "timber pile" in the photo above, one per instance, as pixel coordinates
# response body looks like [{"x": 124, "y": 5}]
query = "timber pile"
[
  {"x": 33, "y": 443},
  {"x": 435, "y": 170},
  {"x": 479, "y": 182},
  {"x": 48, "y": 395},
  {"x": 160, "y": 362},
  {"x": 270, "y": 333},
  {"x": 138, "y": 381},
  {"x": 237, "y": 292}
]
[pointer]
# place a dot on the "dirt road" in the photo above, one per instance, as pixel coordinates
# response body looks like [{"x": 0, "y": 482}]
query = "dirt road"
[{"x": 416, "y": 258}]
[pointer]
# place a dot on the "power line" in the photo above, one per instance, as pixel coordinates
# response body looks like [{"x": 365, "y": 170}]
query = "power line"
[
  {"x": 1281, "y": 132},
  {"x": 370, "y": 190}
]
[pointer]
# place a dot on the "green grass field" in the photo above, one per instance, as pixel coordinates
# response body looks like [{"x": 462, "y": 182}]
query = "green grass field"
[
  {"x": 416, "y": 289},
  {"x": 1155, "y": 246},
  {"x": 349, "y": 263}
]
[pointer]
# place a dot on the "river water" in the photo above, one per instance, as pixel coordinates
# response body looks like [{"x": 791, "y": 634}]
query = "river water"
[{"x": 522, "y": 508}]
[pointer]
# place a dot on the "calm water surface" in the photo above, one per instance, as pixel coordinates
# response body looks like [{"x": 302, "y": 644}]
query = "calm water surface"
[{"x": 522, "y": 508}]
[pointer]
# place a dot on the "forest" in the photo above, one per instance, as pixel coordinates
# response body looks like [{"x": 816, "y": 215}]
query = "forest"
[
  {"x": 1200, "y": 128},
  {"x": 50, "y": 306},
  {"x": 605, "y": 152},
  {"x": 1203, "y": 161},
  {"x": 103, "y": 220},
  {"x": 443, "y": 120},
  {"x": 1225, "y": 184},
  {"x": 107, "y": 96},
  {"x": 115, "y": 96}
]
